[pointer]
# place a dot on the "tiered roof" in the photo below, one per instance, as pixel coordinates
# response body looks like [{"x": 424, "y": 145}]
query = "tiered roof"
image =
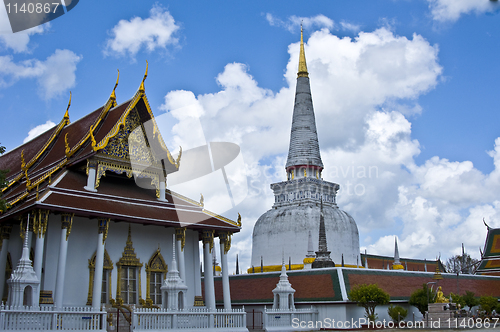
[
  {"x": 490, "y": 260},
  {"x": 49, "y": 171}
]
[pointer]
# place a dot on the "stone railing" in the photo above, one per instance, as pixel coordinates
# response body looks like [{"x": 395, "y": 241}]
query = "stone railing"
[
  {"x": 145, "y": 319},
  {"x": 287, "y": 320},
  {"x": 50, "y": 319}
]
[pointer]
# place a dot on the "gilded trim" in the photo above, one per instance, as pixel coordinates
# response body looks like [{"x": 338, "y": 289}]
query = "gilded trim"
[
  {"x": 67, "y": 222},
  {"x": 180, "y": 235},
  {"x": 102, "y": 167},
  {"x": 103, "y": 228},
  {"x": 225, "y": 237},
  {"x": 26, "y": 166},
  {"x": 40, "y": 221},
  {"x": 208, "y": 237}
]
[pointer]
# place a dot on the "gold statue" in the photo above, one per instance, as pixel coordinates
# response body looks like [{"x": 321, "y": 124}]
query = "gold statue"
[{"x": 440, "y": 297}]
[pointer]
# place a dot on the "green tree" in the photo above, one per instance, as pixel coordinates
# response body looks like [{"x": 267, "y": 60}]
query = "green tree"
[
  {"x": 368, "y": 297},
  {"x": 421, "y": 297},
  {"x": 3, "y": 183},
  {"x": 457, "y": 299},
  {"x": 470, "y": 300},
  {"x": 397, "y": 313},
  {"x": 488, "y": 303}
]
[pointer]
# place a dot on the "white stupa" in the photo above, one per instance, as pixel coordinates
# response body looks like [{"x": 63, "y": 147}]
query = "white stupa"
[{"x": 296, "y": 209}]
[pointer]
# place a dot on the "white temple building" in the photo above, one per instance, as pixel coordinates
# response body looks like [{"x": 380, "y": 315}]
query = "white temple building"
[{"x": 102, "y": 225}]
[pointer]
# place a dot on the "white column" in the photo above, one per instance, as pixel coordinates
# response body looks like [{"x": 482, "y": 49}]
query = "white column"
[
  {"x": 91, "y": 179},
  {"x": 162, "y": 191},
  {"x": 103, "y": 225},
  {"x": 99, "y": 261},
  {"x": 180, "y": 235},
  {"x": 3, "y": 256},
  {"x": 225, "y": 276},
  {"x": 42, "y": 216},
  {"x": 209, "y": 277},
  {"x": 37, "y": 265},
  {"x": 197, "y": 265},
  {"x": 66, "y": 219}
]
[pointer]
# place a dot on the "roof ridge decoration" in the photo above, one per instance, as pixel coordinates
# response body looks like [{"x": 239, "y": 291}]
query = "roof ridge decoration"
[
  {"x": 113, "y": 95},
  {"x": 140, "y": 94},
  {"x": 64, "y": 122},
  {"x": 25, "y": 166}
]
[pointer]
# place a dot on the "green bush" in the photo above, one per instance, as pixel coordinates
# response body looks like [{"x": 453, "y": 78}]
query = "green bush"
[
  {"x": 488, "y": 303},
  {"x": 457, "y": 299},
  {"x": 397, "y": 313},
  {"x": 369, "y": 296},
  {"x": 470, "y": 300}
]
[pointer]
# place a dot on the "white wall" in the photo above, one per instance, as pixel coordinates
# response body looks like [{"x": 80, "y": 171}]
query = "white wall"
[{"x": 82, "y": 244}]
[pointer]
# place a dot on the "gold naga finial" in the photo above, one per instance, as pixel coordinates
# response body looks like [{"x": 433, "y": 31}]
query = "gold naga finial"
[
  {"x": 28, "y": 181},
  {"x": 66, "y": 115},
  {"x": 178, "y": 160},
  {"x": 302, "y": 57},
  {"x": 141, "y": 88},
  {"x": 23, "y": 164},
  {"x": 113, "y": 95},
  {"x": 202, "y": 200},
  {"x": 94, "y": 143},
  {"x": 67, "y": 149},
  {"x": 239, "y": 219}
]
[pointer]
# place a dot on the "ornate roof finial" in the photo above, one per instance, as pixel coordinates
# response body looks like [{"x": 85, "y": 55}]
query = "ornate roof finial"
[
  {"x": 485, "y": 224},
  {"x": 141, "y": 88},
  {"x": 239, "y": 219},
  {"x": 302, "y": 57},
  {"x": 66, "y": 115},
  {"x": 92, "y": 138},
  {"x": 66, "y": 145},
  {"x": 113, "y": 95}
]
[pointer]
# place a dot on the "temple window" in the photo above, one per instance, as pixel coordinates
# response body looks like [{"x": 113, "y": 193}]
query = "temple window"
[
  {"x": 156, "y": 271},
  {"x": 128, "y": 280}
]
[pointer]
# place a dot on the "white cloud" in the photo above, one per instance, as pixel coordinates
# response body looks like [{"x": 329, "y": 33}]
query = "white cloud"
[
  {"x": 59, "y": 74},
  {"x": 19, "y": 41},
  {"x": 156, "y": 31},
  {"x": 40, "y": 129},
  {"x": 349, "y": 26},
  {"x": 450, "y": 10},
  {"x": 54, "y": 76},
  {"x": 294, "y": 22}
]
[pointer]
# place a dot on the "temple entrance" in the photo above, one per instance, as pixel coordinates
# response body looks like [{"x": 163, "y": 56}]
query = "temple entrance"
[{"x": 120, "y": 319}]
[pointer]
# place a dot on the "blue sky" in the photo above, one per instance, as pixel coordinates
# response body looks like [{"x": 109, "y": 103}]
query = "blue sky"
[{"x": 406, "y": 86}]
